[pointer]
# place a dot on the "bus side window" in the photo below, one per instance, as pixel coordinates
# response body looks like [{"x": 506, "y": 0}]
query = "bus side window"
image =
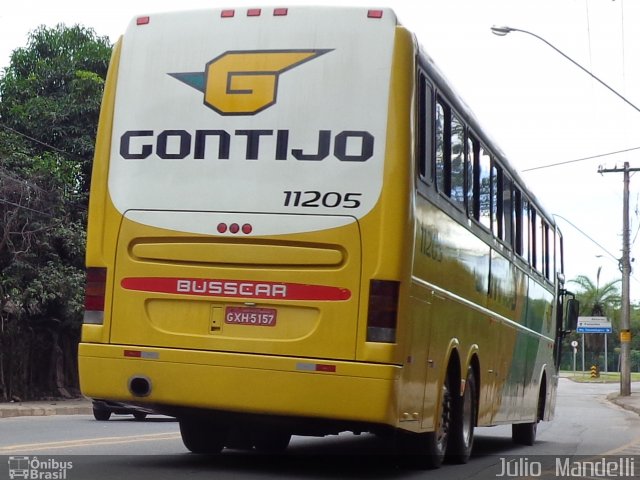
[
  {"x": 541, "y": 245},
  {"x": 548, "y": 252},
  {"x": 542, "y": 248},
  {"x": 483, "y": 192},
  {"x": 560, "y": 262},
  {"x": 526, "y": 240},
  {"x": 457, "y": 160},
  {"x": 535, "y": 239},
  {"x": 425, "y": 129},
  {"x": 507, "y": 210},
  {"x": 552, "y": 254},
  {"x": 517, "y": 220},
  {"x": 496, "y": 200},
  {"x": 441, "y": 167},
  {"x": 472, "y": 176}
]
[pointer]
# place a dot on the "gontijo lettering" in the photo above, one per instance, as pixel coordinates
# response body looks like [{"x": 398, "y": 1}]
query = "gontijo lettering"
[{"x": 346, "y": 146}]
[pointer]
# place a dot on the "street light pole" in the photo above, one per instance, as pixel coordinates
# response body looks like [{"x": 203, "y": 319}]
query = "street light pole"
[
  {"x": 625, "y": 323},
  {"x": 502, "y": 31}
]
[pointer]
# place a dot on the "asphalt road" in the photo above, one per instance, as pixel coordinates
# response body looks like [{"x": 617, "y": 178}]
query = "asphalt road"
[{"x": 586, "y": 427}]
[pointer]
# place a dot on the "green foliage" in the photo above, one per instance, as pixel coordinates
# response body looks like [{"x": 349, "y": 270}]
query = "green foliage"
[
  {"x": 596, "y": 298},
  {"x": 52, "y": 90},
  {"x": 49, "y": 105}
]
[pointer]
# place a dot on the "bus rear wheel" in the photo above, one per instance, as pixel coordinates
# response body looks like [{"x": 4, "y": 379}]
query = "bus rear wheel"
[
  {"x": 268, "y": 441},
  {"x": 203, "y": 437},
  {"x": 463, "y": 421},
  {"x": 427, "y": 450}
]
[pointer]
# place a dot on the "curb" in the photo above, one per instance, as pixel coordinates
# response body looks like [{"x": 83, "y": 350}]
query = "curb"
[
  {"x": 13, "y": 410},
  {"x": 620, "y": 401}
]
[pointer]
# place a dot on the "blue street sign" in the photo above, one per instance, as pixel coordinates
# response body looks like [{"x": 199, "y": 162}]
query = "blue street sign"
[
  {"x": 594, "y": 330},
  {"x": 594, "y": 325}
]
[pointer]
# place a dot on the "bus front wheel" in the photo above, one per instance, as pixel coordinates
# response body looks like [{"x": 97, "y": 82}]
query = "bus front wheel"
[{"x": 524, "y": 433}]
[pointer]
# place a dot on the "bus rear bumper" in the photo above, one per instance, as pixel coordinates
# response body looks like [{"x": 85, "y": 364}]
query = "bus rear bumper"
[{"x": 188, "y": 381}]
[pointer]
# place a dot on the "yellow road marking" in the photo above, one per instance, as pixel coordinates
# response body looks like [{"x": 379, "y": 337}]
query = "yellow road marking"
[{"x": 88, "y": 442}]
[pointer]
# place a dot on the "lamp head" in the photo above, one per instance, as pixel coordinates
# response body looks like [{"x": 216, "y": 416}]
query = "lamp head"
[{"x": 501, "y": 31}]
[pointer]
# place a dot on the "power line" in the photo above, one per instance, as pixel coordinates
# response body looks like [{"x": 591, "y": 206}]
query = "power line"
[
  {"x": 617, "y": 260},
  {"x": 4, "y": 174},
  {"x": 587, "y": 236},
  {"x": 40, "y": 142},
  {"x": 17, "y": 205},
  {"x": 581, "y": 159}
]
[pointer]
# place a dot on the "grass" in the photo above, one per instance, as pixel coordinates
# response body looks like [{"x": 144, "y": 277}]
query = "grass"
[{"x": 585, "y": 377}]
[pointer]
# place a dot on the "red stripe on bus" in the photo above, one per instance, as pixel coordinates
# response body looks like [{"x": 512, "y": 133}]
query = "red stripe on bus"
[{"x": 206, "y": 287}]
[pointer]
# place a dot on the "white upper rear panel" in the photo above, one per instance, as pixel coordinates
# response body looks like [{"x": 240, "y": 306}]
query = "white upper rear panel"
[{"x": 254, "y": 114}]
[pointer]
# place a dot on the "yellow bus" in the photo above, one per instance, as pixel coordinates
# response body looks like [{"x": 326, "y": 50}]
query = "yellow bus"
[{"x": 297, "y": 227}]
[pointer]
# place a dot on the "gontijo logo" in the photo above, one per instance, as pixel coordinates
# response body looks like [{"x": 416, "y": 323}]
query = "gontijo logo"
[{"x": 245, "y": 82}]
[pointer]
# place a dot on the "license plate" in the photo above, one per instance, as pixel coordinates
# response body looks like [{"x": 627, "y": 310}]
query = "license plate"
[{"x": 251, "y": 316}]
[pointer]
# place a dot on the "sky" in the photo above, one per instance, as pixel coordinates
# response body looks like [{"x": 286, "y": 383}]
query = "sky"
[{"x": 539, "y": 107}]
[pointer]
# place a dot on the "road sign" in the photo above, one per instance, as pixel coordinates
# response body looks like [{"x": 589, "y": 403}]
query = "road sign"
[{"x": 594, "y": 325}]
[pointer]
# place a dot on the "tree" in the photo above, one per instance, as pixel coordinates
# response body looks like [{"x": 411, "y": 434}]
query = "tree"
[
  {"x": 596, "y": 299},
  {"x": 52, "y": 91},
  {"x": 49, "y": 104}
]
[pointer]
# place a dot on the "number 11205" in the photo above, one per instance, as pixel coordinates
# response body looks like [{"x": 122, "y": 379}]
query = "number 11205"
[{"x": 313, "y": 198}]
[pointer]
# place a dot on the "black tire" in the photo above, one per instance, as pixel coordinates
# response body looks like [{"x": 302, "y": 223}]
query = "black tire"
[
  {"x": 101, "y": 414},
  {"x": 427, "y": 450},
  {"x": 271, "y": 441},
  {"x": 239, "y": 439},
  {"x": 463, "y": 422},
  {"x": 203, "y": 437},
  {"x": 524, "y": 433},
  {"x": 139, "y": 416}
]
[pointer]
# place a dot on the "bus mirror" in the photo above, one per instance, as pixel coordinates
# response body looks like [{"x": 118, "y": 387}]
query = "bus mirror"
[{"x": 573, "y": 308}]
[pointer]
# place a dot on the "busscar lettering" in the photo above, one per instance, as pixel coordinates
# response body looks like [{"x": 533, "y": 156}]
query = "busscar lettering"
[
  {"x": 348, "y": 145},
  {"x": 231, "y": 288}
]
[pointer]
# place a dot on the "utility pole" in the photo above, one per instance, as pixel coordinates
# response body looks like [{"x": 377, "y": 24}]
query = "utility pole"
[{"x": 625, "y": 264}]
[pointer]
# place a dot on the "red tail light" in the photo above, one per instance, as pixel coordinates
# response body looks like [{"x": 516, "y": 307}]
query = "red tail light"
[
  {"x": 383, "y": 311},
  {"x": 94, "y": 294}
]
